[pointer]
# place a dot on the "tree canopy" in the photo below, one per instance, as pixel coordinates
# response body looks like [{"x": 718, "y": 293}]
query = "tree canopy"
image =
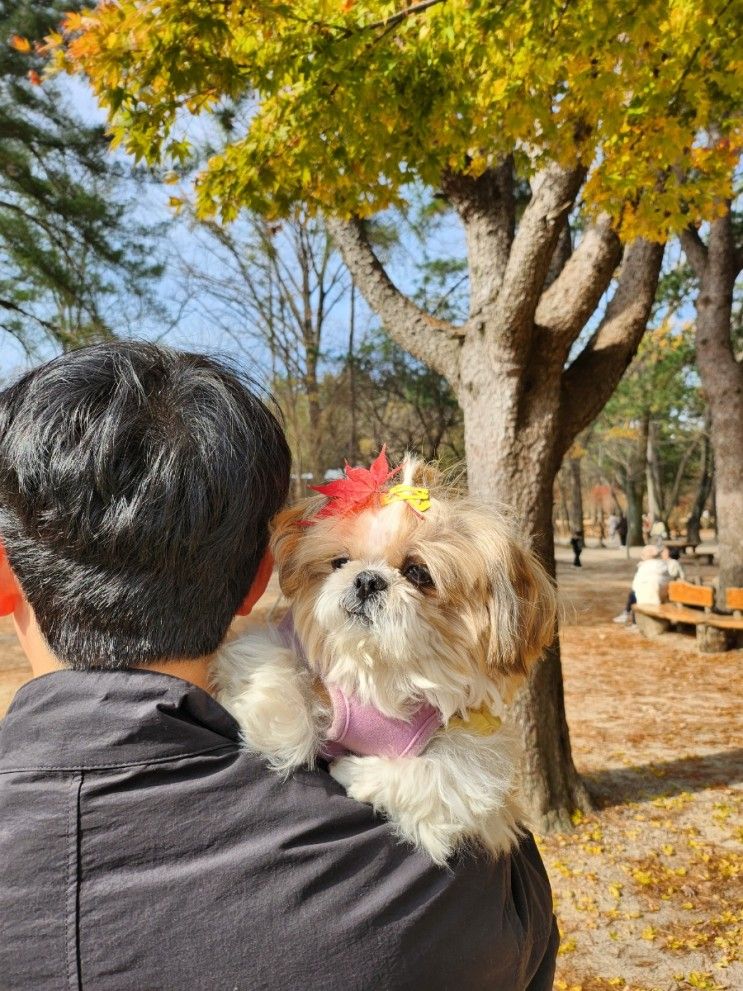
[{"x": 344, "y": 105}]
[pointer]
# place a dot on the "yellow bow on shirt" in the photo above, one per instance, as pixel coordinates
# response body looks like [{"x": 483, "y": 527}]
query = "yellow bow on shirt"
[{"x": 480, "y": 721}]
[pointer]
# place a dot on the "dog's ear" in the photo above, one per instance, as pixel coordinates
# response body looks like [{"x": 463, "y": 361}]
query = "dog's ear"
[
  {"x": 287, "y": 529},
  {"x": 522, "y": 610}
]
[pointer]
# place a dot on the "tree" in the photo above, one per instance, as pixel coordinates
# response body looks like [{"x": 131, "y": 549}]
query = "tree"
[
  {"x": 68, "y": 243},
  {"x": 561, "y": 105},
  {"x": 274, "y": 287},
  {"x": 717, "y": 264},
  {"x": 652, "y": 427}
]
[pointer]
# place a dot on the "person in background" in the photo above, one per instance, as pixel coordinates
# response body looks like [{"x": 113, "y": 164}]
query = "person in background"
[
  {"x": 658, "y": 532},
  {"x": 622, "y": 529},
  {"x": 612, "y": 523},
  {"x": 671, "y": 557},
  {"x": 576, "y": 542},
  {"x": 650, "y": 584}
]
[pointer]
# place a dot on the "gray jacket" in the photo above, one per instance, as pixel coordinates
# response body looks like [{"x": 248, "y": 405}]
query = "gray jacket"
[{"x": 141, "y": 849}]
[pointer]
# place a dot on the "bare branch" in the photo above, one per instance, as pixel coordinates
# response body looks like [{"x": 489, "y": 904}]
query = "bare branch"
[
  {"x": 13, "y": 307},
  {"x": 591, "y": 378},
  {"x": 431, "y": 340},
  {"x": 568, "y": 303},
  {"x": 553, "y": 194},
  {"x": 695, "y": 250}
]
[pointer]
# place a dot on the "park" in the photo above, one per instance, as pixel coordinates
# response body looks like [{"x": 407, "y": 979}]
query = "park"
[{"x": 507, "y": 238}]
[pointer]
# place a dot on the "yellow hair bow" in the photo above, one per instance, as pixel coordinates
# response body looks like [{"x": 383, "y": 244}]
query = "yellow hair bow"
[{"x": 417, "y": 499}]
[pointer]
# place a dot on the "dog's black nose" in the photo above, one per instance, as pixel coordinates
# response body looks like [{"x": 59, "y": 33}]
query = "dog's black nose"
[{"x": 368, "y": 583}]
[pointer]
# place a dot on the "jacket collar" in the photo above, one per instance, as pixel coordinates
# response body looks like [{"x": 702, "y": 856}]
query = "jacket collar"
[{"x": 73, "y": 720}]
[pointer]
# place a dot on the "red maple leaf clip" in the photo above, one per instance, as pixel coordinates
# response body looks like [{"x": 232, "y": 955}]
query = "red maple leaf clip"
[{"x": 358, "y": 489}]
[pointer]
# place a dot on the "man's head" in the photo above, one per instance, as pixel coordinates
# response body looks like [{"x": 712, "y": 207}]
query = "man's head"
[{"x": 136, "y": 488}]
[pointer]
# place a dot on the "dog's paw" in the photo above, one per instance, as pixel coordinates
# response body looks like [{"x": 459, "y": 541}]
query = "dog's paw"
[
  {"x": 382, "y": 783},
  {"x": 351, "y": 774}
]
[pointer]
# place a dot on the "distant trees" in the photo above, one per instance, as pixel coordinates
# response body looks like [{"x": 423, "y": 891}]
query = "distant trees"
[
  {"x": 649, "y": 436},
  {"x": 280, "y": 292},
  {"x": 74, "y": 263}
]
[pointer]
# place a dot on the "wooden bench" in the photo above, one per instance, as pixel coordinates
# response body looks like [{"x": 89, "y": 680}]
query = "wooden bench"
[
  {"x": 696, "y": 556},
  {"x": 690, "y": 550},
  {"x": 691, "y": 605}
]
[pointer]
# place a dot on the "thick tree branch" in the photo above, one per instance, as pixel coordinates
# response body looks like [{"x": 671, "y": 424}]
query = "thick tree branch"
[
  {"x": 553, "y": 194},
  {"x": 568, "y": 303},
  {"x": 431, "y": 340},
  {"x": 591, "y": 378},
  {"x": 487, "y": 207},
  {"x": 695, "y": 250}
]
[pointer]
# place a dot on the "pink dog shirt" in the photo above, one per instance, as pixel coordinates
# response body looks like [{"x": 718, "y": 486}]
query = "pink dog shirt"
[{"x": 359, "y": 728}]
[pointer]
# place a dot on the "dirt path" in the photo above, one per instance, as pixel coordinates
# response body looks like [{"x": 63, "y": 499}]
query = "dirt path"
[{"x": 648, "y": 890}]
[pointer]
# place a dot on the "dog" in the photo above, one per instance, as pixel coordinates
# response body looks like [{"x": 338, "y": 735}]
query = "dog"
[{"x": 416, "y": 615}]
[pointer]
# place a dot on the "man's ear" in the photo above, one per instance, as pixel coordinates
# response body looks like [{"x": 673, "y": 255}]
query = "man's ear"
[
  {"x": 10, "y": 593},
  {"x": 256, "y": 590}
]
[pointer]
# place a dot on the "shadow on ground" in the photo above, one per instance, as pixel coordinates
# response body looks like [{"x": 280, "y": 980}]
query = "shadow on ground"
[{"x": 644, "y": 782}]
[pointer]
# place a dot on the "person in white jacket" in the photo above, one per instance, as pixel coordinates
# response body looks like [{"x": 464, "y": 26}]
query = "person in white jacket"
[{"x": 650, "y": 584}]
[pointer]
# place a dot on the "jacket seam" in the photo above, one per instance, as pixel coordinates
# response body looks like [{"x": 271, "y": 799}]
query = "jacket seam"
[
  {"x": 71, "y": 923},
  {"x": 74, "y": 768}
]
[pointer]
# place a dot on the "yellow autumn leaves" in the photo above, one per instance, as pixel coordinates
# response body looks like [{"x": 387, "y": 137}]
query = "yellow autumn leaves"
[{"x": 347, "y": 104}]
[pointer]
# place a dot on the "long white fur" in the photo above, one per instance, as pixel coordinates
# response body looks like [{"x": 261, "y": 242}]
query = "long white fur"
[
  {"x": 463, "y": 789},
  {"x": 269, "y": 692}
]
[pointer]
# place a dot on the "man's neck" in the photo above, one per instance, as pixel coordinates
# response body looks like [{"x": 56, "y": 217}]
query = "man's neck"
[{"x": 195, "y": 670}]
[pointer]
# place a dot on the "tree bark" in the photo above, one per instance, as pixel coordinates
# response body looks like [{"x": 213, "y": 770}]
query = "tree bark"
[
  {"x": 522, "y": 409},
  {"x": 716, "y": 266}
]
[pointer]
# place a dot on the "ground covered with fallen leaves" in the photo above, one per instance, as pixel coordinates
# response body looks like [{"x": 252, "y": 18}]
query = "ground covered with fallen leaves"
[{"x": 648, "y": 890}]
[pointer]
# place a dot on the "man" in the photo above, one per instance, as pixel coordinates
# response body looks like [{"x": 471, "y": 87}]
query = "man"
[{"x": 142, "y": 848}]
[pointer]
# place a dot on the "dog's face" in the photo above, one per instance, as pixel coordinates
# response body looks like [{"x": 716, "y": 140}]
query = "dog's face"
[{"x": 449, "y": 605}]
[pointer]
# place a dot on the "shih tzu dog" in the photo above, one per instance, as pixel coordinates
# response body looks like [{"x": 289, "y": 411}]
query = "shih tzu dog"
[{"x": 414, "y": 615}]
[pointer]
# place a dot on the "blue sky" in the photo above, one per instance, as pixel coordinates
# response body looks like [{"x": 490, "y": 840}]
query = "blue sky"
[{"x": 194, "y": 330}]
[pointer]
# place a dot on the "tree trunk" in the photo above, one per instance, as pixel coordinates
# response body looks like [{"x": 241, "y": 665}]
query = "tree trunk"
[
  {"x": 635, "y": 536},
  {"x": 553, "y": 786},
  {"x": 722, "y": 378},
  {"x": 704, "y": 488},
  {"x": 653, "y": 472},
  {"x": 314, "y": 419},
  {"x": 353, "y": 454},
  {"x": 576, "y": 496},
  {"x": 564, "y": 503}
]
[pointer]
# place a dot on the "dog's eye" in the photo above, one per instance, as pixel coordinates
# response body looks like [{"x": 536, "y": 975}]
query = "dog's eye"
[
  {"x": 338, "y": 562},
  {"x": 418, "y": 575}
]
